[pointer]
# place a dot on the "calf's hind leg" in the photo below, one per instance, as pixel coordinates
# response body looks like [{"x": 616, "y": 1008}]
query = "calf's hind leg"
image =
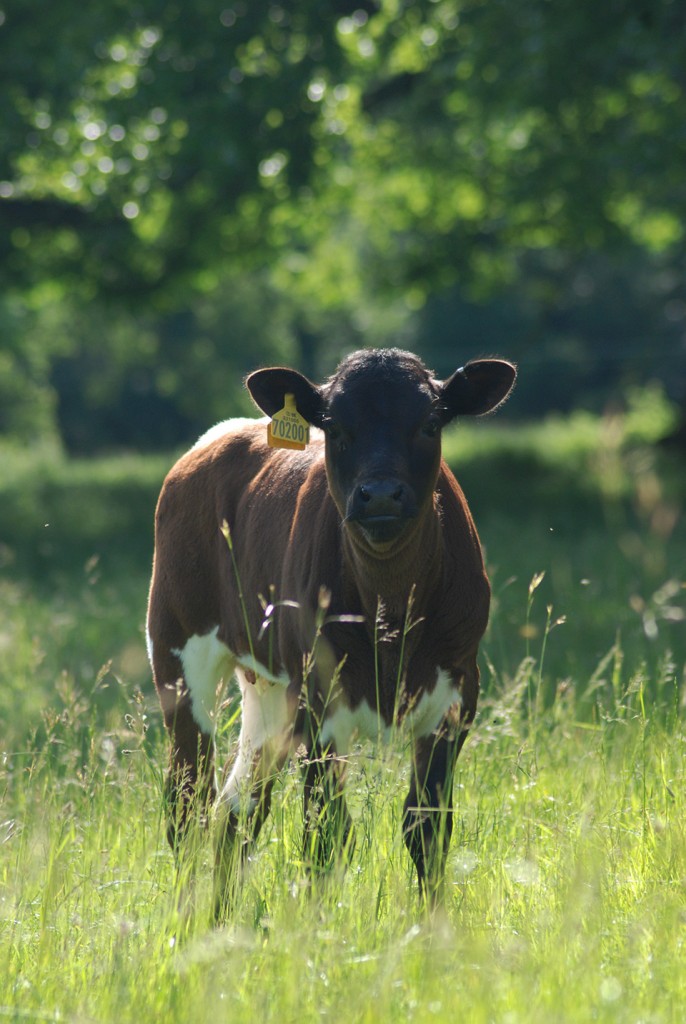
[{"x": 187, "y": 679}]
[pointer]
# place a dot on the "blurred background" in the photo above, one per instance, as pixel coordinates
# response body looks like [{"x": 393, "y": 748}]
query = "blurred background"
[{"x": 190, "y": 190}]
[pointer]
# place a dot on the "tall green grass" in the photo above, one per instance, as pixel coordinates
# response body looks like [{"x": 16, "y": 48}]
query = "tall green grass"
[{"x": 566, "y": 893}]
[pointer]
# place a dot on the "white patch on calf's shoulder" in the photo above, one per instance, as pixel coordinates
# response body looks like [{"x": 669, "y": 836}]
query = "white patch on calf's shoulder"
[
  {"x": 343, "y": 725},
  {"x": 206, "y": 662}
]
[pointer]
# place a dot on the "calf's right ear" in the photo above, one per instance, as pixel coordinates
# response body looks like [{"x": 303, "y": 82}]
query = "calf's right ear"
[
  {"x": 269, "y": 387},
  {"x": 479, "y": 387}
]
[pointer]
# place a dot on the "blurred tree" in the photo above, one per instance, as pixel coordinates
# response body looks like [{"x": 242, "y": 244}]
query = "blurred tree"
[
  {"x": 28, "y": 401},
  {"x": 528, "y": 163},
  {"x": 583, "y": 328},
  {"x": 144, "y": 143},
  {"x": 340, "y": 162},
  {"x": 477, "y": 131},
  {"x": 135, "y": 135},
  {"x": 163, "y": 379}
]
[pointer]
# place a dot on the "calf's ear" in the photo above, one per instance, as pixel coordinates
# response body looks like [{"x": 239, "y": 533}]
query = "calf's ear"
[
  {"x": 269, "y": 388},
  {"x": 478, "y": 387}
]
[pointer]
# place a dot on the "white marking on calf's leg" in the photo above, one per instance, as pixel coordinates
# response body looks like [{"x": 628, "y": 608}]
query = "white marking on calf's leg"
[
  {"x": 262, "y": 744},
  {"x": 428, "y": 712},
  {"x": 250, "y": 662},
  {"x": 262, "y": 747},
  {"x": 206, "y": 662}
]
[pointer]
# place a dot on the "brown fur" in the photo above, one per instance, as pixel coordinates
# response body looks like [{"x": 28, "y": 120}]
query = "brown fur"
[{"x": 288, "y": 542}]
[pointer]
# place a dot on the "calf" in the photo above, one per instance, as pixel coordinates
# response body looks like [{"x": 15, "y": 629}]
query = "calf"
[{"x": 342, "y": 584}]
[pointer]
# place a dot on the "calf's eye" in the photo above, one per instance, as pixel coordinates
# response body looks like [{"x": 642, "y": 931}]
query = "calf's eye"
[
  {"x": 431, "y": 428},
  {"x": 336, "y": 437}
]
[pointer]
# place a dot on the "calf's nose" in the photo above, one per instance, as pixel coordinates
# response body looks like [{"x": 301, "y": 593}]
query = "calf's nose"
[{"x": 378, "y": 498}]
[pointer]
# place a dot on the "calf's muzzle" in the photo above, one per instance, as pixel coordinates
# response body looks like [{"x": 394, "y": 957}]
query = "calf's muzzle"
[{"x": 381, "y": 507}]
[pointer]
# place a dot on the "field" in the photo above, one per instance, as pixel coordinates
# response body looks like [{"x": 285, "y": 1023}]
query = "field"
[{"x": 566, "y": 888}]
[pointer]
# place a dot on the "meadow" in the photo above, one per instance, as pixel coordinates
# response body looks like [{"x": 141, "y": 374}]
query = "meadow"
[{"x": 566, "y": 886}]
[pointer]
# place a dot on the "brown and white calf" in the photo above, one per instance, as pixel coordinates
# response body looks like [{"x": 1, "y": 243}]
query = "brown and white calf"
[{"x": 343, "y": 585}]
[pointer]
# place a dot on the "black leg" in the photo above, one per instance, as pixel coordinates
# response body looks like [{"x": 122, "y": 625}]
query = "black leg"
[
  {"x": 428, "y": 811},
  {"x": 190, "y": 789}
]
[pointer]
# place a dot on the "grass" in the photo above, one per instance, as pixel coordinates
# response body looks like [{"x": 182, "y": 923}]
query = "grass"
[
  {"x": 567, "y": 876},
  {"x": 565, "y": 885}
]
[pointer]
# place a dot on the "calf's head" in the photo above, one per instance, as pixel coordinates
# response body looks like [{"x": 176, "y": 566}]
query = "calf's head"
[{"x": 382, "y": 413}]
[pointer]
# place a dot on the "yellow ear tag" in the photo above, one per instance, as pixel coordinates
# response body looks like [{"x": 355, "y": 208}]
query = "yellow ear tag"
[{"x": 288, "y": 429}]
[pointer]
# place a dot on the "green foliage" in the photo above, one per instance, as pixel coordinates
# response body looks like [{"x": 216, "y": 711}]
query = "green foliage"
[
  {"x": 166, "y": 378},
  {"x": 97, "y": 378},
  {"x": 27, "y": 399},
  {"x": 184, "y": 194},
  {"x": 136, "y": 137},
  {"x": 564, "y": 891},
  {"x": 584, "y": 329},
  {"x": 142, "y": 146},
  {"x": 452, "y": 148},
  {"x": 58, "y": 514}
]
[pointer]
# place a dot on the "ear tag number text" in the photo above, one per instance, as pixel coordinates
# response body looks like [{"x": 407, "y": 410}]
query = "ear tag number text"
[{"x": 288, "y": 429}]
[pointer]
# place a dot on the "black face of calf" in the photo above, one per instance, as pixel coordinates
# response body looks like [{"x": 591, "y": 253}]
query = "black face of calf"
[
  {"x": 383, "y": 443},
  {"x": 382, "y": 413}
]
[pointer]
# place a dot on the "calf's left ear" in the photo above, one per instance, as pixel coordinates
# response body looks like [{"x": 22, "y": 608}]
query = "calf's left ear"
[
  {"x": 478, "y": 387},
  {"x": 269, "y": 388}
]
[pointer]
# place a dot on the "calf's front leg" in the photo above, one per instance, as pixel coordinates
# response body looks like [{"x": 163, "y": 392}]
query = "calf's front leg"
[
  {"x": 238, "y": 826},
  {"x": 244, "y": 801},
  {"x": 428, "y": 811},
  {"x": 427, "y": 817}
]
